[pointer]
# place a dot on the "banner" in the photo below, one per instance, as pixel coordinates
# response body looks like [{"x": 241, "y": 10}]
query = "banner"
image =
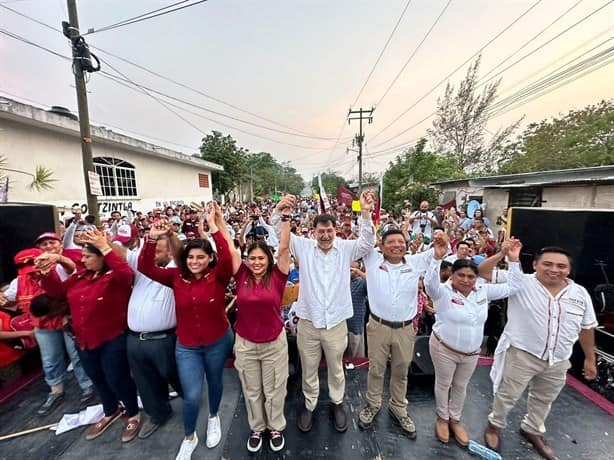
[
  {"x": 323, "y": 196},
  {"x": 345, "y": 196},
  {"x": 316, "y": 196}
]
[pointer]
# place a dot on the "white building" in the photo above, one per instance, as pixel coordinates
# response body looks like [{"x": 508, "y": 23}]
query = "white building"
[{"x": 134, "y": 174}]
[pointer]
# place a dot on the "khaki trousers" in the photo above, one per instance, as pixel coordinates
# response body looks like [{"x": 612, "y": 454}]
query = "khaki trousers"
[
  {"x": 311, "y": 341},
  {"x": 383, "y": 341},
  {"x": 452, "y": 374},
  {"x": 545, "y": 382},
  {"x": 263, "y": 371}
]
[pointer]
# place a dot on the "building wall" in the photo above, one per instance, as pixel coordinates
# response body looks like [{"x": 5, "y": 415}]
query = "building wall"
[
  {"x": 579, "y": 197},
  {"x": 159, "y": 181},
  {"x": 495, "y": 201}
]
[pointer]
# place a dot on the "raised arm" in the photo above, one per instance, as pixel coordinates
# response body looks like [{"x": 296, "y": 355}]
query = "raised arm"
[
  {"x": 147, "y": 259},
  {"x": 47, "y": 260},
  {"x": 224, "y": 259},
  {"x": 52, "y": 284},
  {"x": 283, "y": 250},
  {"x": 432, "y": 283},
  {"x": 486, "y": 268},
  {"x": 366, "y": 236},
  {"x": 235, "y": 255},
  {"x": 121, "y": 272}
]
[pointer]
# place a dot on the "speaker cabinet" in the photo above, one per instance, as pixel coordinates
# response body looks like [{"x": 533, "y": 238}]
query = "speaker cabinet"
[{"x": 20, "y": 224}]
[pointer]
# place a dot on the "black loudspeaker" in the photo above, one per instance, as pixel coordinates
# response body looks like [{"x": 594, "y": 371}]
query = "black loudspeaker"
[
  {"x": 20, "y": 224},
  {"x": 422, "y": 363}
]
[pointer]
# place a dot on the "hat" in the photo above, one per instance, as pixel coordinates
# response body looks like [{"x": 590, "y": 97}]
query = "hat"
[
  {"x": 25, "y": 260},
  {"x": 47, "y": 236},
  {"x": 176, "y": 220},
  {"x": 126, "y": 233}
]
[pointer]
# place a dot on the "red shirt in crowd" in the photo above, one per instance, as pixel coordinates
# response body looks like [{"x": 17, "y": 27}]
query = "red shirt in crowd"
[
  {"x": 259, "y": 306},
  {"x": 8, "y": 353},
  {"x": 98, "y": 304},
  {"x": 199, "y": 303}
]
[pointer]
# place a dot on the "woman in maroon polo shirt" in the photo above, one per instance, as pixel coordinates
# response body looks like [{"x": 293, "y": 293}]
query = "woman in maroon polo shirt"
[
  {"x": 261, "y": 349},
  {"x": 98, "y": 299},
  {"x": 204, "y": 336}
]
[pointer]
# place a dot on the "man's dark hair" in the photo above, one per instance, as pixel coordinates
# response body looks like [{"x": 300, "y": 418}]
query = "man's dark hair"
[
  {"x": 445, "y": 265},
  {"x": 439, "y": 227},
  {"x": 478, "y": 219},
  {"x": 91, "y": 219},
  {"x": 463, "y": 243},
  {"x": 324, "y": 219},
  {"x": 392, "y": 231},
  {"x": 552, "y": 249}
]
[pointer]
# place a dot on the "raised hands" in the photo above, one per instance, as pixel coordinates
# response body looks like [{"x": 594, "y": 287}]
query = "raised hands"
[
  {"x": 367, "y": 201},
  {"x": 162, "y": 227},
  {"x": 96, "y": 238},
  {"x": 210, "y": 215},
  {"x": 46, "y": 261},
  {"x": 513, "y": 251},
  {"x": 440, "y": 244},
  {"x": 286, "y": 204}
]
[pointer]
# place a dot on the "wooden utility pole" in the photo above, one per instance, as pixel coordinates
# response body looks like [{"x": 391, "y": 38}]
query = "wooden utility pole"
[
  {"x": 84, "y": 117},
  {"x": 360, "y": 137}
]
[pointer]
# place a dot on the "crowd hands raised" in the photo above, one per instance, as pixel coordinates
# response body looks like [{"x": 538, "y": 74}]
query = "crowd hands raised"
[{"x": 144, "y": 302}]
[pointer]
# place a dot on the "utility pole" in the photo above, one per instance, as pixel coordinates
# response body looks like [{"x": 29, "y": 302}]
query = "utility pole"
[
  {"x": 79, "y": 69},
  {"x": 360, "y": 137}
]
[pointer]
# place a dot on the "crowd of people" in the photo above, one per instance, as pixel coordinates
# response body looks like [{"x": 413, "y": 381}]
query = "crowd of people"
[{"x": 151, "y": 300}]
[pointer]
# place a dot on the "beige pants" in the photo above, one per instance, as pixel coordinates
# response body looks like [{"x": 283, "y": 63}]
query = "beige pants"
[
  {"x": 356, "y": 346},
  {"x": 545, "y": 382},
  {"x": 263, "y": 371},
  {"x": 311, "y": 341},
  {"x": 452, "y": 374},
  {"x": 384, "y": 341}
]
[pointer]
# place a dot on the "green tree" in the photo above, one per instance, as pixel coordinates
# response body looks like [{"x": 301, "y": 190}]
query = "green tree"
[
  {"x": 223, "y": 150},
  {"x": 581, "y": 138},
  {"x": 42, "y": 178},
  {"x": 270, "y": 176},
  {"x": 459, "y": 128},
  {"x": 330, "y": 181},
  {"x": 408, "y": 176}
]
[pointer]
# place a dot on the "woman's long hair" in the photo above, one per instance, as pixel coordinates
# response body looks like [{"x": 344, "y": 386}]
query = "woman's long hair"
[
  {"x": 94, "y": 250},
  {"x": 264, "y": 247},
  {"x": 197, "y": 243}
]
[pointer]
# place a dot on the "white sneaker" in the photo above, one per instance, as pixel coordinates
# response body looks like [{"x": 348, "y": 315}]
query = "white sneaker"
[
  {"x": 187, "y": 447},
  {"x": 214, "y": 432}
]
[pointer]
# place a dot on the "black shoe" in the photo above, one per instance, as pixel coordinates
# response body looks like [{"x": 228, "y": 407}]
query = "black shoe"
[
  {"x": 53, "y": 400},
  {"x": 86, "y": 395},
  {"x": 148, "y": 428},
  {"x": 254, "y": 443},
  {"x": 277, "y": 441},
  {"x": 340, "y": 419},
  {"x": 305, "y": 420}
]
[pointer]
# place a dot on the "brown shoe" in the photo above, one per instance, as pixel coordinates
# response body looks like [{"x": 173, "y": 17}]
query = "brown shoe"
[
  {"x": 491, "y": 437},
  {"x": 539, "y": 443},
  {"x": 132, "y": 429},
  {"x": 98, "y": 428},
  {"x": 459, "y": 433},
  {"x": 442, "y": 431}
]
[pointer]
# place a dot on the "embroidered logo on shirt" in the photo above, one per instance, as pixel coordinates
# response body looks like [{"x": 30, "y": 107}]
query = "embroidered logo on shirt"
[
  {"x": 383, "y": 267},
  {"x": 571, "y": 300},
  {"x": 406, "y": 270},
  {"x": 457, "y": 301}
]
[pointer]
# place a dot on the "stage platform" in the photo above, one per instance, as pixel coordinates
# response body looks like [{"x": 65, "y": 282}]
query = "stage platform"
[{"x": 578, "y": 428}]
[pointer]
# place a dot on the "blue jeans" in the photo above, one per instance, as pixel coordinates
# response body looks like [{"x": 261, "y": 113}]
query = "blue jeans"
[
  {"x": 193, "y": 363},
  {"x": 52, "y": 344},
  {"x": 107, "y": 366}
]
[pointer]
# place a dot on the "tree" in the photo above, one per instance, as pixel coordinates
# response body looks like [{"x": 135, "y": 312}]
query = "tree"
[
  {"x": 42, "y": 178},
  {"x": 270, "y": 176},
  {"x": 223, "y": 150},
  {"x": 581, "y": 138},
  {"x": 459, "y": 128},
  {"x": 330, "y": 181},
  {"x": 408, "y": 176}
]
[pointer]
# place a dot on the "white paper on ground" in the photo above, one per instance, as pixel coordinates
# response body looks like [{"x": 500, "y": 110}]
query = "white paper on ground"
[{"x": 92, "y": 414}]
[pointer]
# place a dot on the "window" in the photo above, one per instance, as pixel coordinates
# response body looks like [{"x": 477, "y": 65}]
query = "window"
[
  {"x": 530, "y": 197},
  {"x": 203, "y": 180},
  {"x": 117, "y": 177}
]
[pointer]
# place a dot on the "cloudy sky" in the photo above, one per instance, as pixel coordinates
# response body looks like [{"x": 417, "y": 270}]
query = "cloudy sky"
[{"x": 297, "y": 66}]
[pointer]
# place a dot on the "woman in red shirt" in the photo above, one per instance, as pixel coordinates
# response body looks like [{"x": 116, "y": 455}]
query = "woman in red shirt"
[
  {"x": 98, "y": 299},
  {"x": 261, "y": 348},
  {"x": 204, "y": 336}
]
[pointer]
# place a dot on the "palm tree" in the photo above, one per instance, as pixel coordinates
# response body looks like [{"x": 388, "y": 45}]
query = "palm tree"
[{"x": 41, "y": 179}]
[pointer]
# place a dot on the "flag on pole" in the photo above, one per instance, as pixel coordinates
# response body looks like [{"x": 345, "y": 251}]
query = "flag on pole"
[
  {"x": 378, "y": 202},
  {"x": 345, "y": 196},
  {"x": 323, "y": 197},
  {"x": 316, "y": 196}
]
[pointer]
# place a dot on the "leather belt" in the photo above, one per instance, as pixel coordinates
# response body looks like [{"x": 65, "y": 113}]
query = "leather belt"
[
  {"x": 477, "y": 352},
  {"x": 391, "y": 324},
  {"x": 157, "y": 335}
]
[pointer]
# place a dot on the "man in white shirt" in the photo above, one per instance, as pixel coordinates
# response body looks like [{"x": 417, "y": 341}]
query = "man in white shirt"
[
  {"x": 393, "y": 300},
  {"x": 463, "y": 251},
  {"x": 151, "y": 339},
  {"x": 546, "y": 316},
  {"x": 325, "y": 303},
  {"x": 423, "y": 221}
]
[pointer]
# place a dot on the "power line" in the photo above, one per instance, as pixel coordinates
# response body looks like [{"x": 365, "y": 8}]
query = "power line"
[
  {"x": 381, "y": 53},
  {"x": 394, "y": 80},
  {"x": 176, "y": 82},
  {"x": 454, "y": 71},
  {"x": 145, "y": 16},
  {"x": 493, "y": 76}
]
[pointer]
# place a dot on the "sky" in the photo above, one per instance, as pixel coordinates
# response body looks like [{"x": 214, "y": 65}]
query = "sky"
[{"x": 298, "y": 66}]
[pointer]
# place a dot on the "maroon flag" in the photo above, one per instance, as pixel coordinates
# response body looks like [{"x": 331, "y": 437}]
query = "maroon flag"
[{"x": 345, "y": 196}]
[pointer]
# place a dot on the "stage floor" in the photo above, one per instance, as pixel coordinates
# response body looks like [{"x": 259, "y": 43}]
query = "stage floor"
[{"x": 578, "y": 429}]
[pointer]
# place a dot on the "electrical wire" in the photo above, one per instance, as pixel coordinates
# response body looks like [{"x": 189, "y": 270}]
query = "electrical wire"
[
  {"x": 145, "y": 16},
  {"x": 381, "y": 53}
]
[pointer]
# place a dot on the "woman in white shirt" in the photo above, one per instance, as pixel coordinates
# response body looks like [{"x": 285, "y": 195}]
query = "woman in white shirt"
[{"x": 461, "y": 308}]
